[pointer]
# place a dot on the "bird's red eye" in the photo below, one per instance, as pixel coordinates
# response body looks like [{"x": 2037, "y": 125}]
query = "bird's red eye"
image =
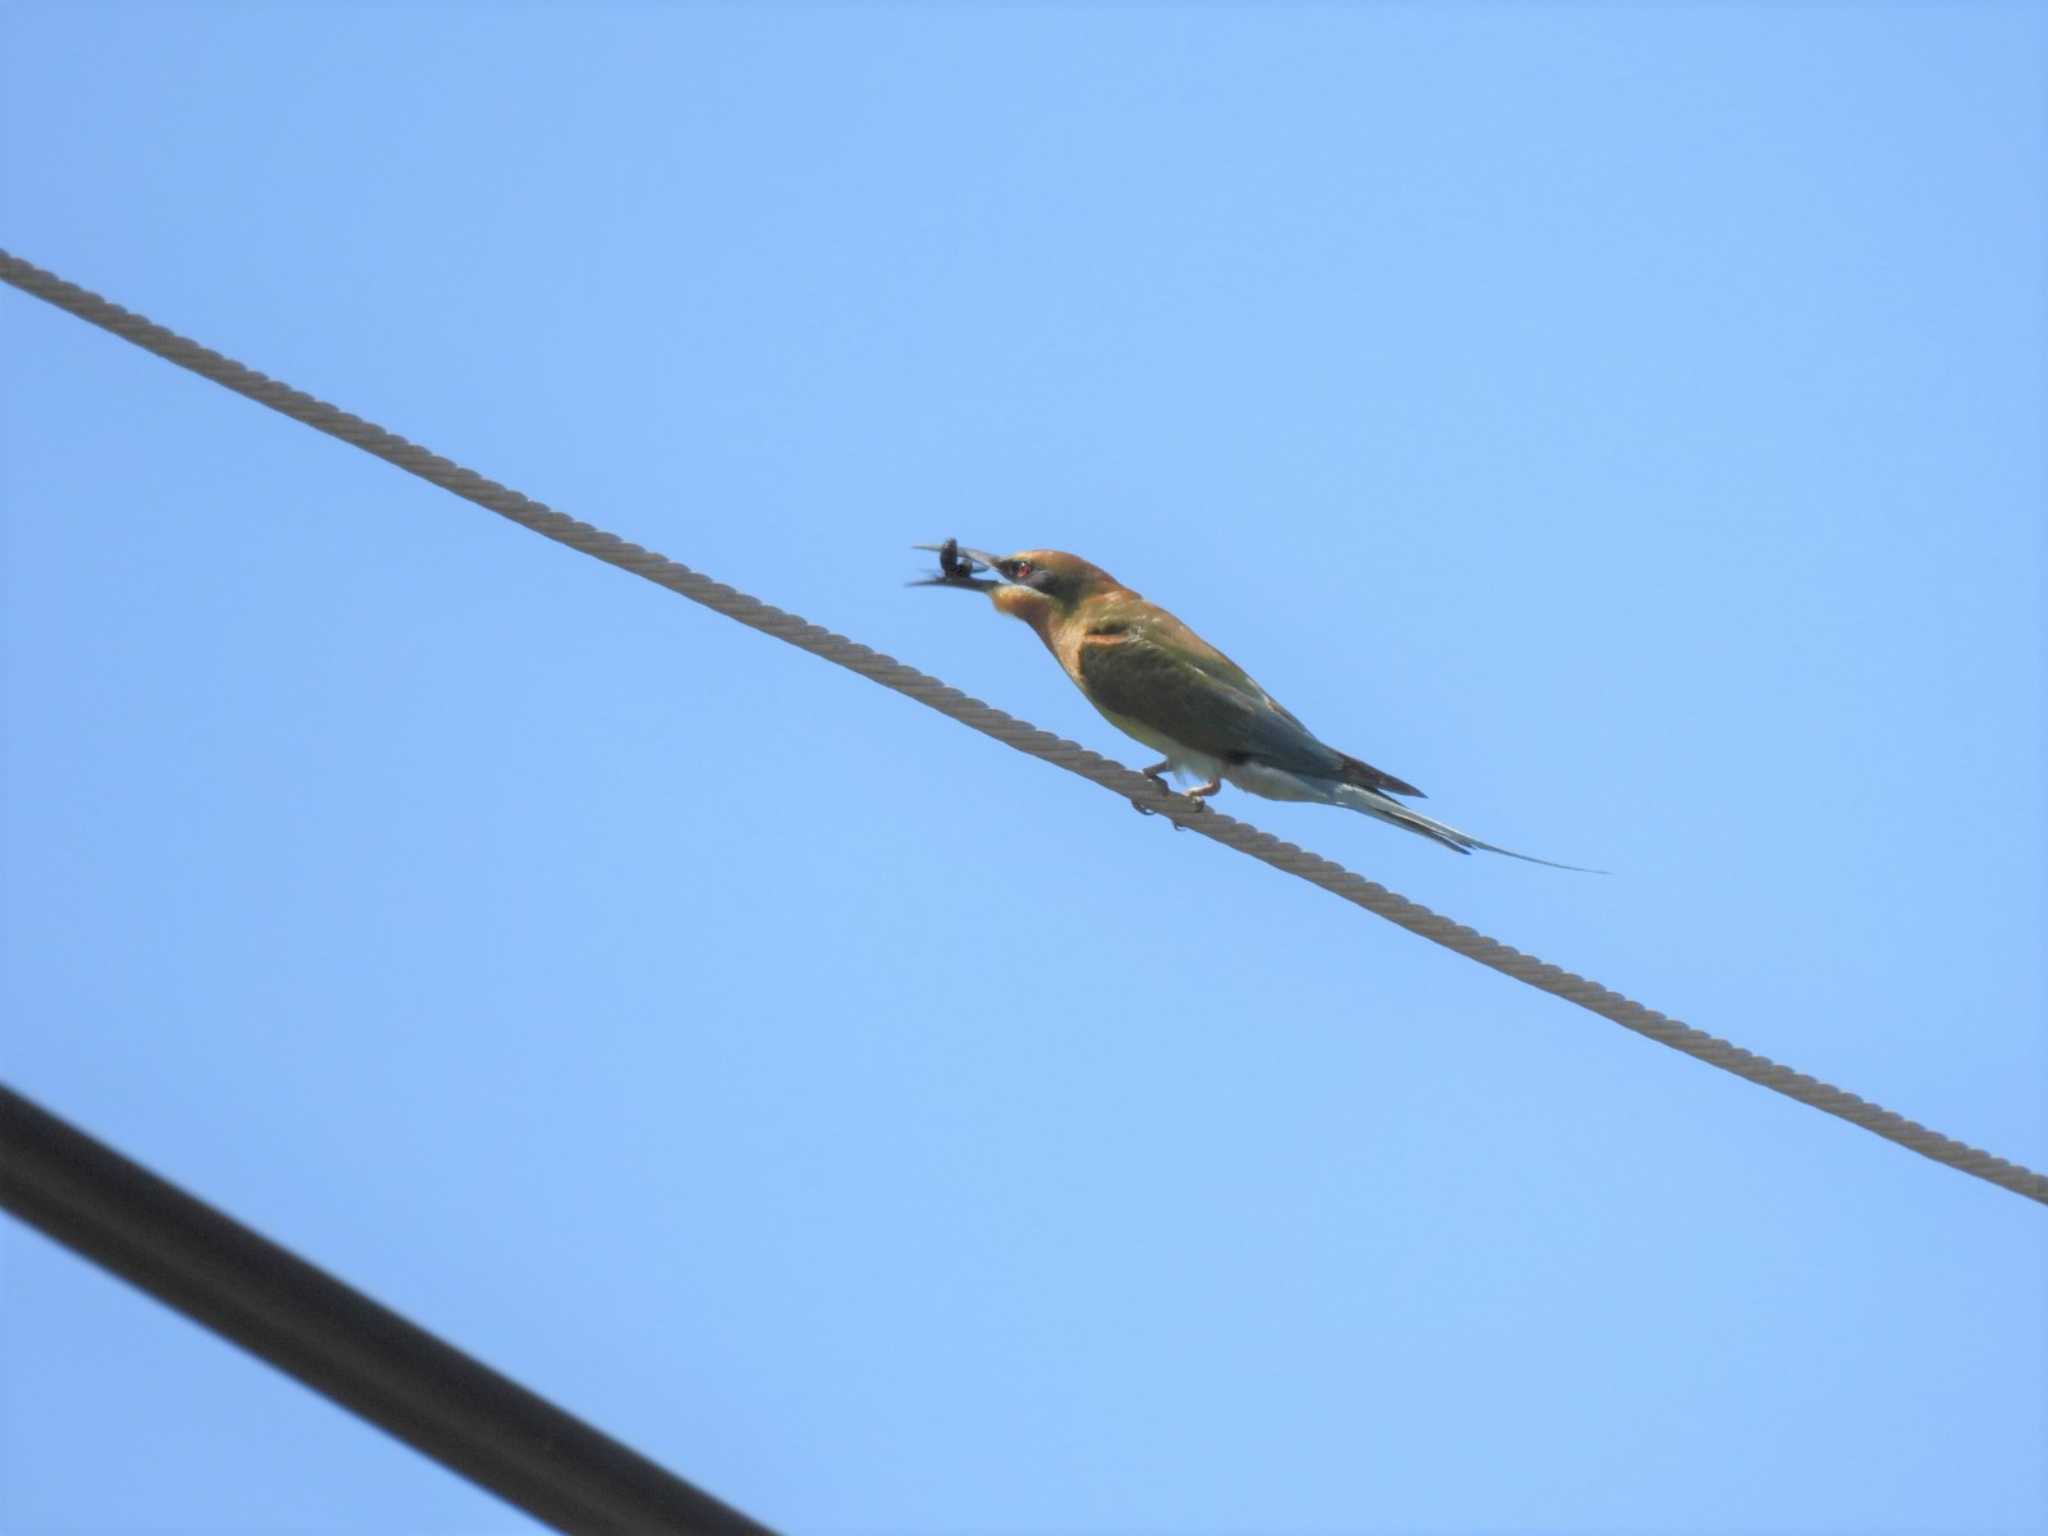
[{"x": 1023, "y": 569}]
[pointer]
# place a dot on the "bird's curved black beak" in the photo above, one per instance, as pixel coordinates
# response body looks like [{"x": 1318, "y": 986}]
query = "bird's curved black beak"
[{"x": 957, "y": 567}]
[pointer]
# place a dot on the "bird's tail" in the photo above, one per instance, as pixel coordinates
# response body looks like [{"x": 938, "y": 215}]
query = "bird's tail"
[{"x": 1371, "y": 802}]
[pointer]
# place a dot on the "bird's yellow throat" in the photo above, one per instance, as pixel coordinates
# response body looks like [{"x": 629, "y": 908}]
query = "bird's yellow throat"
[{"x": 1034, "y": 608}]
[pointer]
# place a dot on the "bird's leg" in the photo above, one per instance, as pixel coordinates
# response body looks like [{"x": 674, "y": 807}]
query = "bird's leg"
[
  {"x": 1202, "y": 792},
  {"x": 1157, "y": 774}
]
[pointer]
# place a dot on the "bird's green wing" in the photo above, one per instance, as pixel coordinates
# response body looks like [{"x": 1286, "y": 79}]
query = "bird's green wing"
[{"x": 1197, "y": 696}]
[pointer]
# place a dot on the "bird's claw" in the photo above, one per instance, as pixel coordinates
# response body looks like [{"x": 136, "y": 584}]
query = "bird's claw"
[{"x": 1190, "y": 799}]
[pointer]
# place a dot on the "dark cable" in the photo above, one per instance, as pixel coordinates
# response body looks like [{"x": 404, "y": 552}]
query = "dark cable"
[{"x": 334, "y": 1339}]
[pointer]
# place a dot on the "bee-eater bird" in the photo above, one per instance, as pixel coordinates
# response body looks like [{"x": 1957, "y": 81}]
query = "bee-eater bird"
[{"x": 1159, "y": 682}]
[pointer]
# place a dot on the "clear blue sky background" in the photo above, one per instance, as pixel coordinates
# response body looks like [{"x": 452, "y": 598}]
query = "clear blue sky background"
[{"x": 1626, "y": 424}]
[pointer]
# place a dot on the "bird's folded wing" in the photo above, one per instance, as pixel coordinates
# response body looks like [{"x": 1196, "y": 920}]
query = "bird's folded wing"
[{"x": 1214, "y": 709}]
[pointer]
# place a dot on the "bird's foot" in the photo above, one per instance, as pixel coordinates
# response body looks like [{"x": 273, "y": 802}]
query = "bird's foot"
[
  {"x": 1196, "y": 799},
  {"x": 1157, "y": 774},
  {"x": 1152, "y": 810}
]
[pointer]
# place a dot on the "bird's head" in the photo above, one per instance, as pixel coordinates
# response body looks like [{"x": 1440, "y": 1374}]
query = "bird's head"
[{"x": 1035, "y": 585}]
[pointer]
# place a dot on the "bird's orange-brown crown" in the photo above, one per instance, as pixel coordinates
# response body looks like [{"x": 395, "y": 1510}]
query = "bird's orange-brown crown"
[{"x": 1042, "y": 586}]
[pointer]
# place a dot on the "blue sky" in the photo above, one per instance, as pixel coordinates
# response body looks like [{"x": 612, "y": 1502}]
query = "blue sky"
[{"x": 1624, "y": 423}]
